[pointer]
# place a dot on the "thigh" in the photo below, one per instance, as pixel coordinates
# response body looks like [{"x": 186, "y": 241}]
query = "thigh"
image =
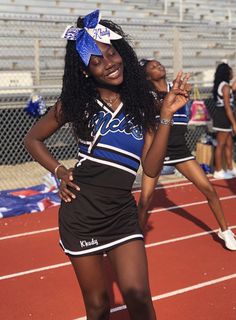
[
  {"x": 91, "y": 276},
  {"x": 221, "y": 138},
  {"x": 129, "y": 262},
  {"x": 194, "y": 173}
]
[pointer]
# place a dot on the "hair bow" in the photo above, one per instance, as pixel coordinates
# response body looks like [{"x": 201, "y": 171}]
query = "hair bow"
[{"x": 87, "y": 36}]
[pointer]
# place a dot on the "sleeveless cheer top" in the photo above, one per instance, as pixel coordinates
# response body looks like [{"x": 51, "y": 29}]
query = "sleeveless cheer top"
[
  {"x": 220, "y": 99},
  {"x": 113, "y": 157}
]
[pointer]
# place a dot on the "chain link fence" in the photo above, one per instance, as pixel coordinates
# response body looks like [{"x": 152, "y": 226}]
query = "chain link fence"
[{"x": 32, "y": 59}]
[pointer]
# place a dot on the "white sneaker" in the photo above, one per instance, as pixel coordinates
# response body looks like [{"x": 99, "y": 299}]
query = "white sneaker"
[
  {"x": 222, "y": 175},
  {"x": 232, "y": 172},
  {"x": 229, "y": 238}
]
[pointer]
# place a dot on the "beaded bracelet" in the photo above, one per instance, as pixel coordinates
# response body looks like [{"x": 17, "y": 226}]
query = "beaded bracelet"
[
  {"x": 167, "y": 122},
  {"x": 56, "y": 169}
]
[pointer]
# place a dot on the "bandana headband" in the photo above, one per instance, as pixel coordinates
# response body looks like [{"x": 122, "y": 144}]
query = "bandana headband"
[{"x": 87, "y": 36}]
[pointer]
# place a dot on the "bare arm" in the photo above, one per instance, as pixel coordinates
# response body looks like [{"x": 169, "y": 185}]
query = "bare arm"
[
  {"x": 34, "y": 143},
  {"x": 228, "y": 109},
  {"x": 156, "y": 142},
  {"x": 34, "y": 140}
]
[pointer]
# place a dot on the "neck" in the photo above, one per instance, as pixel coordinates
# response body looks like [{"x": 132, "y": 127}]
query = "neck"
[
  {"x": 160, "y": 85},
  {"x": 104, "y": 92},
  {"x": 110, "y": 97}
]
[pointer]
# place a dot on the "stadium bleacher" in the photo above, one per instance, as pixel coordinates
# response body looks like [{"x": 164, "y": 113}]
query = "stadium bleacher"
[
  {"x": 204, "y": 30},
  {"x": 30, "y": 42}
]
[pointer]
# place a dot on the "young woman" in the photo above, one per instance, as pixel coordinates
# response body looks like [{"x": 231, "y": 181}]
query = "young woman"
[
  {"x": 179, "y": 156},
  {"x": 105, "y": 97},
  {"x": 224, "y": 122}
]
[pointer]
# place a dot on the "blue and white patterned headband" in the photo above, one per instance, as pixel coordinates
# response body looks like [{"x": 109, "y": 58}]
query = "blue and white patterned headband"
[{"x": 85, "y": 37}]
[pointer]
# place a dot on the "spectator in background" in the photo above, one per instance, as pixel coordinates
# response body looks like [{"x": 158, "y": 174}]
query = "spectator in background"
[
  {"x": 179, "y": 156},
  {"x": 224, "y": 122},
  {"x": 105, "y": 97},
  {"x": 234, "y": 92}
]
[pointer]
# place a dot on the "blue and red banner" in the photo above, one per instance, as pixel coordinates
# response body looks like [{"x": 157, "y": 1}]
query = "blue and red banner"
[{"x": 26, "y": 200}]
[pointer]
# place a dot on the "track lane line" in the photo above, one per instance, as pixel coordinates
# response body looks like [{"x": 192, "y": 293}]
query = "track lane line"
[
  {"x": 188, "y": 205},
  {"x": 191, "y": 236},
  {"x": 17, "y": 235},
  {"x": 173, "y": 185},
  {"x": 23, "y": 273},
  {"x": 151, "y": 211},
  {"x": 177, "y": 292}
]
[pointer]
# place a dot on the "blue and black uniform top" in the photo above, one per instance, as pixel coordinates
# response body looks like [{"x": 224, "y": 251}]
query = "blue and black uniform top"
[
  {"x": 181, "y": 116},
  {"x": 114, "y": 154}
]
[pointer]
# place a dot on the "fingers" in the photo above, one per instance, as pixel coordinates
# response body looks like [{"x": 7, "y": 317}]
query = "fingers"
[
  {"x": 185, "y": 80},
  {"x": 177, "y": 80},
  {"x": 181, "y": 92},
  {"x": 180, "y": 83},
  {"x": 65, "y": 193}
]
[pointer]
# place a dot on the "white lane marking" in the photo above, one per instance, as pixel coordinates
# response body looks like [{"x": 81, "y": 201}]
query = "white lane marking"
[
  {"x": 28, "y": 233},
  {"x": 23, "y": 273},
  {"x": 14, "y": 275},
  {"x": 188, "y": 205},
  {"x": 179, "y": 291},
  {"x": 151, "y": 211},
  {"x": 195, "y": 235},
  {"x": 173, "y": 185}
]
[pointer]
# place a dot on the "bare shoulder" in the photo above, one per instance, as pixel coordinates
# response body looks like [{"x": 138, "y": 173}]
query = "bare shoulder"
[{"x": 226, "y": 88}]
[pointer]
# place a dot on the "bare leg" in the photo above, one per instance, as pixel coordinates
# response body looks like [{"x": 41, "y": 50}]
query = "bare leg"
[
  {"x": 130, "y": 264},
  {"x": 91, "y": 276},
  {"x": 229, "y": 152},
  {"x": 147, "y": 189},
  {"x": 193, "y": 172},
  {"x": 221, "y": 138}
]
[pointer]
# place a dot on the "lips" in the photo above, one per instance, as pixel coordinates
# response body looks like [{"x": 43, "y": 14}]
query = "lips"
[{"x": 113, "y": 74}]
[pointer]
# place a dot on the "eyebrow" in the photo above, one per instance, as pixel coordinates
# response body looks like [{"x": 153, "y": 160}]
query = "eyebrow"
[
  {"x": 104, "y": 52},
  {"x": 108, "y": 48}
]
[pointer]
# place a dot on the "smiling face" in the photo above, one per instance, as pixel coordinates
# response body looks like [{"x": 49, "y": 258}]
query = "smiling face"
[
  {"x": 108, "y": 68},
  {"x": 155, "y": 70}
]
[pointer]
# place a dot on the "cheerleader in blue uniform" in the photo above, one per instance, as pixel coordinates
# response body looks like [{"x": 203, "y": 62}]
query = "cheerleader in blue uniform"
[
  {"x": 224, "y": 122},
  {"x": 178, "y": 155},
  {"x": 105, "y": 97}
]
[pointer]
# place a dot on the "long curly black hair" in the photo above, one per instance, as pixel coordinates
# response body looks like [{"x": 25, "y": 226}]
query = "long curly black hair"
[
  {"x": 222, "y": 73},
  {"x": 79, "y": 94}
]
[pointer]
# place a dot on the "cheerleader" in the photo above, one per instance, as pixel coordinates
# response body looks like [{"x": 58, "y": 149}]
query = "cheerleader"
[
  {"x": 178, "y": 155},
  {"x": 224, "y": 122},
  {"x": 105, "y": 98}
]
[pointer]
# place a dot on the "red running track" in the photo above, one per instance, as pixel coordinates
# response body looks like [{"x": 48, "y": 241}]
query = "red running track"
[{"x": 192, "y": 275}]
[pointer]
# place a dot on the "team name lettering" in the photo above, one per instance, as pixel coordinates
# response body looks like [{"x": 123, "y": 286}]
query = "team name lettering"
[
  {"x": 99, "y": 33},
  {"x": 84, "y": 243},
  {"x": 103, "y": 122}
]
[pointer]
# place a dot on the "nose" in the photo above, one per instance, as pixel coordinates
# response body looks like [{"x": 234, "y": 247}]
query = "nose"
[{"x": 108, "y": 63}]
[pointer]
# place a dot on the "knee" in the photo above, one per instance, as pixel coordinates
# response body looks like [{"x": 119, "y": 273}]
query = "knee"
[
  {"x": 221, "y": 145},
  {"x": 209, "y": 191},
  {"x": 98, "y": 308},
  {"x": 139, "y": 298}
]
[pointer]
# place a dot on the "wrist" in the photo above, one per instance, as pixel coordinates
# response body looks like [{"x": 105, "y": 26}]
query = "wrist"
[
  {"x": 166, "y": 122},
  {"x": 58, "y": 169},
  {"x": 166, "y": 114}
]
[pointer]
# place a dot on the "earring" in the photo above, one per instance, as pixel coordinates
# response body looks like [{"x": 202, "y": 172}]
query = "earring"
[{"x": 86, "y": 75}]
